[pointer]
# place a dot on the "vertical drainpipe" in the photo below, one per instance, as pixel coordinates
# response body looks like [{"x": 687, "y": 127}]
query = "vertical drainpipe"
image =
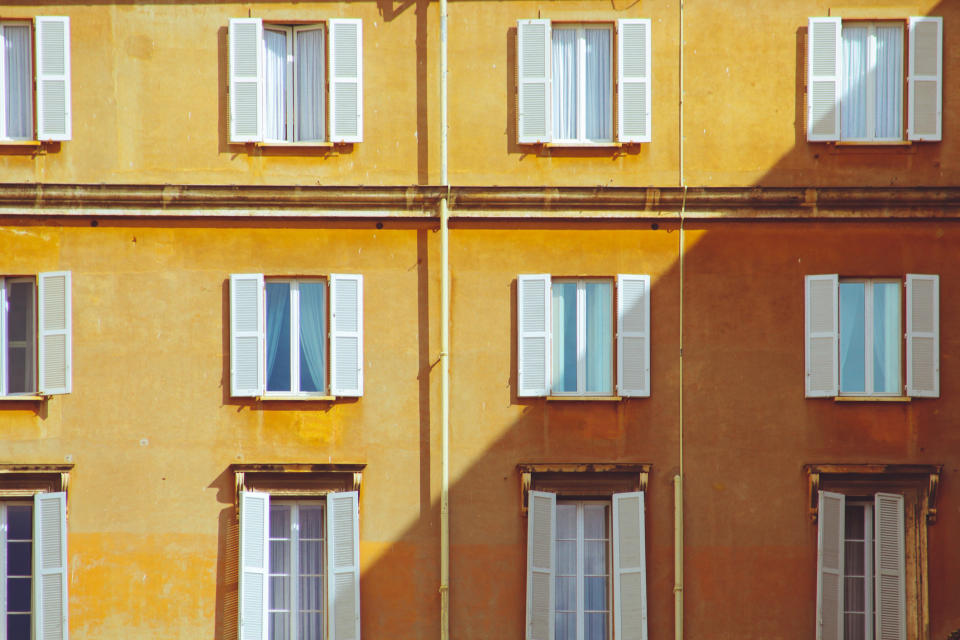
[
  {"x": 444, "y": 342},
  {"x": 678, "y": 479}
]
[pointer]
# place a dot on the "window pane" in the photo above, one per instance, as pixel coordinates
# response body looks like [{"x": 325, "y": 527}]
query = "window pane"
[
  {"x": 567, "y": 521},
  {"x": 279, "y": 521},
  {"x": 279, "y": 593},
  {"x": 18, "y": 594},
  {"x": 18, "y": 558},
  {"x": 311, "y": 557},
  {"x": 853, "y": 558},
  {"x": 311, "y": 626},
  {"x": 309, "y": 87},
  {"x": 278, "y": 336},
  {"x": 311, "y": 522},
  {"x": 886, "y": 337},
  {"x": 594, "y": 557},
  {"x": 595, "y": 626},
  {"x": 595, "y": 521},
  {"x": 279, "y": 625},
  {"x": 854, "y": 626},
  {"x": 595, "y": 593},
  {"x": 566, "y": 557},
  {"x": 853, "y": 103},
  {"x": 313, "y": 332},
  {"x": 275, "y": 84},
  {"x": 19, "y": 522},
  {"x": 889, "y": 82},
  {"x": 18, "y": 627},
  {"x": 311, "y": 593},
  {"x": 566, "y": 626},
  {"x": 566, "y": 594},
  {"x": 564, "y": 336},
  {"x": 598, "y": 86},
  {"x": 564, "y": 84},
  {"x": 599, "y": 328},
  {"x": 21, "y": 337},
  {"x": 280, "y": 556},
  {"x": 18, "y": 83},
  {"x": 852, "y": 349},
  {"x": 854, "y": 598}
]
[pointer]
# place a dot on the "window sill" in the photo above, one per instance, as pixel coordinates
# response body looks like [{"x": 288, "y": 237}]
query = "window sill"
[
  {"x": 874, "y": 143},
  {"x": 295, "y": 145},
  {"x": 295, "y": 398},
  {"x": 583, "y": 145},
  {"x": 584, "y": 398},
  {"x": 872, "y": 399},
  {"x": 23, "y": 398},
  {"x": 22, "y": 143}
]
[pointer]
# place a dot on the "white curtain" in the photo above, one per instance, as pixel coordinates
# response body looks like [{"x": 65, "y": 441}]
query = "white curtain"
[
  {"x": 564, "y": 336},
  {"x": 278, "y": 336},
  {"x": 309, "y": 85},
  {"x": 275, "y": 85},
  {"x": 886, "y": 337},
  {"x": 18, "y": 85},
  {"x": 599, "y": 329},
  {"x": 312, "y": 335},
  {"x": 565, "y": 89},
  {"x": 310, "y": 569},
  {"x": 889, "y": 82},
  {"x": 278, "y": 601},
  {"x": 853, "y": 111},
  {"x": 599, "y": 112}
]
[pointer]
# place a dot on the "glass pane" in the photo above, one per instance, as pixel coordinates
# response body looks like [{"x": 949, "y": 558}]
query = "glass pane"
[
  {"x": 279, "y": 625},
  {"x": 311, "y": 594},
  {"x": 311, "y": 557},
  {"x": 311, "y": 626},
  {"x": 889, "y": 82},
  {"x": 886, "y": 337},
  {"x": 19, "y": 558},
  {"x": 594, "y": 558},
  {"x": 566, "y": 594},
  {"x": 566, "y": 626},
  {"x": 313, "y": 334},
  {"x": 854, "y": 598},
  {"x": 18, "y": 627},
  {"x": 595, "y": 521},
  {"x": 567, "y": 521},
  {"x": 18, "y": 594},
  {"x": 853, "y": 101},
  {"x": 599, "y": 328},
  {"x": 309, "y": 87},
  {"x": 595, "y": 626},
  {"x": 311, "y": 522},
  {"x": 564, "y": 83},
  {"x": 564, "y": 336},
  {"x": 18, "y": 83},
  {"x": 279, "y": 592},
  {"x": 275, "y": 84},
  {"x": 279, "y": 556},
  {"x": 566, "y": 557},
  {"x": 598, "y": 87},
  {"x": 852, "y": 345},
  {"x": 279, "y": 521},
  {"x": 19, "y": 522},
  {"x": 595, "y": 594},
  {"x": 854, "y": 626},
  {"x": 853, "y": 558},
  {"x": 278, "y": 336},
  {"x": 21, "y": 337}
]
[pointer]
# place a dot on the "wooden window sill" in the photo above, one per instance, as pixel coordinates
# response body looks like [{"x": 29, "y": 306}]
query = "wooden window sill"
[
  {"x": 24, "y": 398},
  {"x": 583, "y": 145},
  {"x": 584, "y": 398},
  {"x": 296, "y": 398},
  {"x": 874, "y": 143},
  {"x": 872, "y": 399},
  {"x": 22, "y": 143},
  {"x": 294, "y": 145}
]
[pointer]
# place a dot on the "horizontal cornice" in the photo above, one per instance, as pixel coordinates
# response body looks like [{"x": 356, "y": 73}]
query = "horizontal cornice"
[{"x": 598, "y": 203}]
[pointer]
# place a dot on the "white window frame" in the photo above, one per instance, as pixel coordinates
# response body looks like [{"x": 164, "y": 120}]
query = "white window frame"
[
  {"x": 580, "y": 561},
  {"x": 292, "y": 127},
  {"x": 3, "y": 80},
  {"x": 5, "y": 283},
  {"x": 582, "y": 336},
  {"x": 4, "y": 530},
  {"x": 869, "y": 337},
  {"x": 869, "y": 555},
  {"x": 872, "y": 99},
  {"x": 295, "y": 337},
  {"x": 294, "y": 575},
  {"x": 581, "y": 29}
]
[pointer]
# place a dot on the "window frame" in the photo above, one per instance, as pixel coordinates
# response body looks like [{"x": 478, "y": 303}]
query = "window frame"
[
  {"x": 292, "y": 124},
  {"x": 4, "y": 539},
  {"x": 581, "y": 338},
  {"x": 581, "y": 57},
  {"x": 870, "y": 337},
  {"x": 580, "y": 562},
  {"x": 872, "y": 100},
  {"x": 295, "y": 574},
  {"x": 5, "y": 283},
  {"x": 4, "y": 137},
  {"x": 294, "y": 301}
]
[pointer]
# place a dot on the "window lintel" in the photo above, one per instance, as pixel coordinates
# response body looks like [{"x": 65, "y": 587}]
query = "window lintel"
[
  {"x": 581, "y": 478},
  {"x": 25, "y": 480},
  {"x": 296, "y": 479},
  {"x": 925, "y": 477}
]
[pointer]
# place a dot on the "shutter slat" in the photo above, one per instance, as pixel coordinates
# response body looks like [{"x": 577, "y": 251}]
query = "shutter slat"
[
  {"x": 541, "y": 555},
  {"x": 633, "y": 335},
  {"x": 830, "y": 566},
  {"x": 55, "y": 329},
  {"x": 254, "y": 564},
  {"x": 533, "y": 81},
  {"x": 824, "y": 64},
  {"x": 247, "y": 335},
  {"x": 343, "y": 545},
  {"x": 346, "y": 80},
  {"x": 629, "y": 567},
  {"x": 821, "y": 335},
  {"x": 533, "y": 335},
  {"x": 53, "y": 78},
  {"x": 346, "y": 334},
  {"x": 925, "y": 81},
  {"x": 50, "y": 565},
  {"x": 633, "y": 80},
  {"x": 246, "y": 80},
  {"x": 923, "y": 335},
  {"x": 890, "y": 586}
]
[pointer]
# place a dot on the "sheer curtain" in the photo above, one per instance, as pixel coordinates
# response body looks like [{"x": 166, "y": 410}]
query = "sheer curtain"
[
  {"x": 564, "y": 84},
  {"x": 310, "y": 587},
  {"x": 598, "y": 83},
  {"x": 599, "y": 329},
  {"x": 18, "y": 89},
  {"x": 312, "y": 335},
  {"x": 278, "y": 336},
  {"x": 275, "y": 85},
  {"x": 889, "y": 82},
  {"x": 309, "y": 86},
  {"x": 278, "y": 603},
  {"x": 886, "y": 337},
  {"x": 853, "y": 111},
  {"x": 852, "y": 345},
  {"x": 564, "y": 336}
]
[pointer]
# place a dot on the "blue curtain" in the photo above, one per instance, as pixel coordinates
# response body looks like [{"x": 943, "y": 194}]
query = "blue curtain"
[
  {"x": 313, "y": 331},
  {"x": 278, "y": 336}
]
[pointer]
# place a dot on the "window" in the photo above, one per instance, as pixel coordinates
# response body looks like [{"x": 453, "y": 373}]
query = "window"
[
  {"x": 17, "y": 76},
  {"x": 279, "y": 336},
  {"x": 278, "y": 79},
  {"x": 300, "y": 574},
  {"x": 566, "y": 84},
  {"x": 567, "y": 335},
  {"x": 856, "y": 79},
  {"x": 35, "y": 338},
  {"x": 853, "y": 336}
]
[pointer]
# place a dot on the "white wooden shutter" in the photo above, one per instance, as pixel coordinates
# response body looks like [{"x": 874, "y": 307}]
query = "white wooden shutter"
[
  {"x": 830, "y": 566},
  {"x": 247, "y": 335},
  {"x": 246, "y": 79},
  {"x": 633, "y": 80},
  {"x": 925, "y": 80},
  {"x": 821, "y": 335},
  {"x": 55, "y": 332},
  {"x": 923, "y": 335},
  {"x": 254, "y": 564},
  {"x": 343, "y": 550},
  {"x": 633, "y": 335},
  {"x": 346, "y": 334},
  {"x": 533, "y": 335},
  {"x": 533, "y": 82},
  {"x": 890, "y": 584},
  {"x": 629, "y": 567},
  {"x": 53, "y": 78},
  {"x": 50, "y": 566},
  {"x": 541, "y": 572},
  {"x": 824, "y": 64},
  {"x": 346, "y": 80}
]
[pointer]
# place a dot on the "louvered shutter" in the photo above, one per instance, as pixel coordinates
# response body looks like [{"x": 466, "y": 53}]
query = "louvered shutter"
[
  {"x": 633, "y": 80},
  {"x": 633, "y": 335},
  {"x": 824, "y": 66},
  {"x": 246, "y": 79},
  {"x": 346, "y": 334},
  {"x": 925, "y": 83},
  {"x": 923, "y": 335},
  {"x": 533, "y": 339},
  {"x": 254, "y": 564},
  {"x": 343, "y": 549},
  {"x": 247, "y": 335},
  {"x": 541, "y": 542},
  {"x": 629, "y": 567},
  {"x": 53, "y": 78},
  {"x": 830, "y": 566},
  {"x": 55, "y": 332},
  {"x": 821, "y": 335},
  {"x": 533, "y": 81},
  {"x": 346, "y": 80},
  {"x": 890, "y": 584},
  {"x": 50, "y": 566}
]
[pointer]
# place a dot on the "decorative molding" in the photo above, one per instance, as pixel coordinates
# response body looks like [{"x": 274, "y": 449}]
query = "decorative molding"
[
  {"x": 595, "y": 478},
  {"x": 296, "y": 479},
  {"x": 925, "y": 477}
]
